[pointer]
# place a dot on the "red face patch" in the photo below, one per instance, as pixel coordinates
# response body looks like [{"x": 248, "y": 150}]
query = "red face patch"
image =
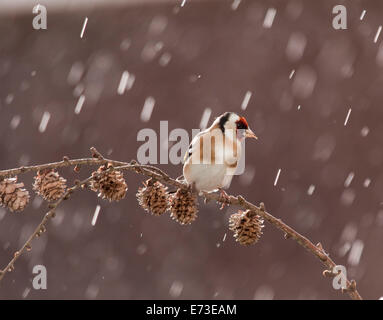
[{"x": 242, "y": 123}]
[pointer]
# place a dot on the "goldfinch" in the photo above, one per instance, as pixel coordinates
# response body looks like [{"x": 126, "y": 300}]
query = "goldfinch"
[{"x": 214, "y": 153}]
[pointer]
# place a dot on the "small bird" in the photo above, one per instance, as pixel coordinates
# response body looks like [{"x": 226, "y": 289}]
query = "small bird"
[{"x": 214, "y": 153}]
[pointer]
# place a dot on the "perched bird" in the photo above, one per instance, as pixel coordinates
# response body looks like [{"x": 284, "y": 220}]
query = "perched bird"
[{"x": 214, "y": 153}]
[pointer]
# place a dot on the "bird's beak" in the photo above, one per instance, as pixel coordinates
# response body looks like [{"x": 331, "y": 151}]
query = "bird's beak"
[{"x": 250, "y": 134}]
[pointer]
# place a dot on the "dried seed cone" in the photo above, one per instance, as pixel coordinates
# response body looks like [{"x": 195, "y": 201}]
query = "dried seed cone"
[
  {"x": 183, "y": 207},
  {"x": 247, "y": 227},
  {"x": 12, "y": 194},
  {"x": 49, "y": 184},
  {"x": 153, "y": 197},
  {"x": 110, "y": 186}
]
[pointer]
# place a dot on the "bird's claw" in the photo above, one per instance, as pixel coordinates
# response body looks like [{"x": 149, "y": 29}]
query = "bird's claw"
[
  {"x": 224, "y": 198},
  {"x": 192, "y": 187}
]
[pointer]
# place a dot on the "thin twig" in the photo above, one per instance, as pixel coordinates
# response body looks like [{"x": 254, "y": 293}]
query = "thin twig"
[
  {"x": 316, "y": 250},
  {"x": 159, "y": 175},
  {"x": 50, "y": 214}
]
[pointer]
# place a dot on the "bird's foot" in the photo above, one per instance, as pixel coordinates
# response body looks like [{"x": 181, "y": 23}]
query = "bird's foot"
[
  {"x": 224, "y": 198},
  {"x": 192, "y": 188},
  {"x": 180, "y": 178}
]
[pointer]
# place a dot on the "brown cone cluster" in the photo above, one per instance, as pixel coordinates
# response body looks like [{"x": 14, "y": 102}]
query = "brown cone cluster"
[
  {"x": 49, "y": 185},
  {"x": 247, "y": 227},
  {"x": 111, "y": 185},
  {"x": 153, "y": 197},
  {"x": 12, "y": 194},
  {"x": 183, "y": 207}
]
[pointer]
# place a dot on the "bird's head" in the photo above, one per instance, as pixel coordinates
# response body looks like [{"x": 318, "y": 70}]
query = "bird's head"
[{"x": 230, "y": 121}]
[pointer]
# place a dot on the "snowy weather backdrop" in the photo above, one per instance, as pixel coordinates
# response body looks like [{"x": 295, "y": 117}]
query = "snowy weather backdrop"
[{"x": 312, "y": 94}]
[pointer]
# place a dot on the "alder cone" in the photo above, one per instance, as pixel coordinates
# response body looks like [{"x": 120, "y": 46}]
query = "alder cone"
[
  {"x": 153, "y": 197},
  {"x": 247, "y": 227},
  {"x": 12, "y": 194},
  {"x": 49, "y": 185},
  {"x": 183, "y": 207},
  {"x": 111, "y": 185}
]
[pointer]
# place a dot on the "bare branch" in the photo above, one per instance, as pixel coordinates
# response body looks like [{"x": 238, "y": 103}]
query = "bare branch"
[
  {"x": 50, "y": 214},
  {"x": 159, "y": 175}
]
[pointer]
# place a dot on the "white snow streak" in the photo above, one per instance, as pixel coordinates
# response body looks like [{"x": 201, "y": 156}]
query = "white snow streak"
[
  {"x": 348, "y": 180},
  {"x": 347, "y": 117},
  {"x": 235, "y": 4},
  {"x": 95, "y": 215},
  {"x": 83, "y": 27},
  {"x": 205, "y": 118},
  {"x": 311, "y": 190},
  {"x": 123, "y": 83},
  {"x": 246, "y": 100},
  {"x": 147, "y": 110},
  {"x": 277, "y": 177},
  {"x": 269, "y": 18},
  {"x": 356, "y": 252},
  {"x": 363, "y": 14},
  {"x": 79, "y": 104},
  {"x": 44, "y": 121},
  {"x": 377, "y": 34}
]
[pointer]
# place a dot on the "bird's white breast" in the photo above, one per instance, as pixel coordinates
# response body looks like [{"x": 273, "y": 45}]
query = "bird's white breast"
[{"x": 209, "y": 172}]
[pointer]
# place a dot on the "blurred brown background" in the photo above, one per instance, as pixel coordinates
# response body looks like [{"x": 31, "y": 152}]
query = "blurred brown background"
[{"x": 206, "y": 54}]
